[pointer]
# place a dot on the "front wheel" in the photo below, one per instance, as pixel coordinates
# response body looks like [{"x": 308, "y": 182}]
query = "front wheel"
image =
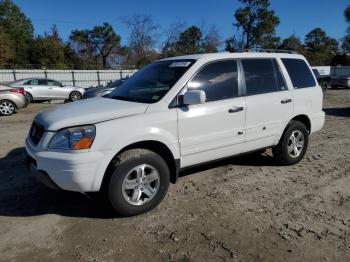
[
  {"x": 7, "y": 107},
  {"x": 139, "y": 182},
  {"x": 293, "y": 144},
  {"x": 75, "y": 96}
]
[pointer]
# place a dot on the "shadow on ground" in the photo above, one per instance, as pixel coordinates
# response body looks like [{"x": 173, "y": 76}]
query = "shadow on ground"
[
  {"x": 253, "y": 159},
  {"x": 22, "y": 195},
  {"x": 341, "y": 112}
]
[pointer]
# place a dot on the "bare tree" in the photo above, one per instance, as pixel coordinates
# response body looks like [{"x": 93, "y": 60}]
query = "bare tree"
[
  {"x": 172, "y": 37},
  {"x": 142, "y": 40},
  {"x": 211, "y": 39}
]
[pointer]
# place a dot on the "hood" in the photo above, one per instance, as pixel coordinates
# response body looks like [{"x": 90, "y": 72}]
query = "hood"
[{"x": 89, "y": 111}]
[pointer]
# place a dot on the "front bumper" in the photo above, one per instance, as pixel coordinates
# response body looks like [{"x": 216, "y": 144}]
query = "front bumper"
[
  {"x": 73, "y": 171},
  {"x": 41, "y": 176}
]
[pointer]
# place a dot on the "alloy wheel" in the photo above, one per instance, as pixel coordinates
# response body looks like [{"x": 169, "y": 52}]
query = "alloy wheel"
[
  {"x": 7, "y": 108},
  {"x": 141, "y": 184},
  {"x": 296, "y": 143}
]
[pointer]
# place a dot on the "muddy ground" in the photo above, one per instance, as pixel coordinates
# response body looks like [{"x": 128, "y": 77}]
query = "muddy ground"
[{"x": 242, "y": 209}]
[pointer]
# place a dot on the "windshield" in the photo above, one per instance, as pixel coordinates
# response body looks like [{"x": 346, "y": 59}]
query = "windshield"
[{"x": 152, "y": 82}]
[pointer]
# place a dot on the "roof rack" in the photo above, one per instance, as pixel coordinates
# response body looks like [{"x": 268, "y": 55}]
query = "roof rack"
[{"x": 261, "y": 50}]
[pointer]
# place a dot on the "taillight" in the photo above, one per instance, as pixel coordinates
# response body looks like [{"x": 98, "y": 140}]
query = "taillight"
[{"x": 18, "y": 90}]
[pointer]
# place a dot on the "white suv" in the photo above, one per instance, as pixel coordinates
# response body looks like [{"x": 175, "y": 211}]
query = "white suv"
[{"x": 173, "y": 114}]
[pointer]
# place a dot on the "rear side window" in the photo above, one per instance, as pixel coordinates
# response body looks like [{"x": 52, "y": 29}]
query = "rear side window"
[
  {"x": 33, "y": 82},
  {"x": 262, "y": 76},
  {"x": 218, "y": 80},
  {"x": 299, "y": 73},
  {"x": 42, "y": 82}
]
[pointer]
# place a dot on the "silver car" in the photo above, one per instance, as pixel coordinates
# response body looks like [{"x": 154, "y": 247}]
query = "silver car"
[
  {"x": 39, "y": 89},
  {"x": 11, "y": 99}
]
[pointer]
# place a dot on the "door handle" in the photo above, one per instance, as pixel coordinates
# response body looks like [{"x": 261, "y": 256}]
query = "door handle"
[
  {"x": 285, "y": 101},
  {"x": 235, "y": 109}
]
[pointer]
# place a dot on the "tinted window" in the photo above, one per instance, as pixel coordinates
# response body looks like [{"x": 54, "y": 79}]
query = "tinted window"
[
  {"x": 152, "y": 82},
  {"x": 53, "y": 83},
  {"x": 217, "y": 79},
  {"x": 299, "y": 73},
  {"x": 261, "y": 76},
  {"x": 33, "y": 82},
  {"x": 42, "y": 82}
]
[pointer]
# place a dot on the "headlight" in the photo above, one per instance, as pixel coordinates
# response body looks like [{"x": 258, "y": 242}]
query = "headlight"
[{"x": 74, "y": 138}]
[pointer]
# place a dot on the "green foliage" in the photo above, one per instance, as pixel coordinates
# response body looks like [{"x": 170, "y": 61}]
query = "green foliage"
[
  {"x": 19, "y": 30},
  {"x": 192, "y": 41},
  {"x": 97, "y": 44},
  {"x": 6, "y": 52},
  {"x": 49, "y": 51},
  {"x": 320, "y": 48},
  {"x": 257, "y": 24},
  {"x": 346, "y": 40},
  {"x": 292, "y": 43}
]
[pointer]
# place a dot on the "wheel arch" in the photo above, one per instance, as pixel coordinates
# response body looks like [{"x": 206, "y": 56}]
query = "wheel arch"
[
  {"x": 303, "y": 119},
  {"x": 156, "y": 146}
]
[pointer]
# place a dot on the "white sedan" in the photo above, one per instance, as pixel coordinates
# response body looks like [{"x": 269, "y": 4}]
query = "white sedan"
[{"x": 39, "y": 89}]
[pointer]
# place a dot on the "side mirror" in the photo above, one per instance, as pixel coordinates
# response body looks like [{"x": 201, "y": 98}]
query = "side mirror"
[{"x": 194, "y": 97}]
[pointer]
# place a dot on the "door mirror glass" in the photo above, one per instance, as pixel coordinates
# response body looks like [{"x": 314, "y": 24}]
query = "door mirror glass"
[{"x": 194, "y": 97}]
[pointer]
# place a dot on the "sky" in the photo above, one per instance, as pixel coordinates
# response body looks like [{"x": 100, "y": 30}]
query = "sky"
[{"x": 296, "y": 16}]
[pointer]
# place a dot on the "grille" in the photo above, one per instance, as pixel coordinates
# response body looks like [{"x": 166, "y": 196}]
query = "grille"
[{"x": 36, "y": 133}]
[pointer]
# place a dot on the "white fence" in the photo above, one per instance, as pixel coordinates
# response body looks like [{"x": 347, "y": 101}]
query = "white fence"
[{"x": 82, "y": 78}]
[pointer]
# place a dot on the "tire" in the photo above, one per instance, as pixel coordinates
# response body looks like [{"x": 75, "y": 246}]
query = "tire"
[
  {"x": 7, "y": 107},
  {"x": 75, "y": 96},
  {"x": 29, "y": 97},
  {"x": 287, "y": 154},
  {"x": 325, "y": 86},
  {"x": 130, "y": 189}
]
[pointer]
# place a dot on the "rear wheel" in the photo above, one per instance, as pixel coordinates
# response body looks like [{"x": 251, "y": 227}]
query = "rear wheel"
[
  {"x": 75, "y": 96},
  {"x": 29, "y": 97},
  {"x": 7, "y": 107},
  {"x": 139, "y": 182},
  {"x": 293, "y": 144}
]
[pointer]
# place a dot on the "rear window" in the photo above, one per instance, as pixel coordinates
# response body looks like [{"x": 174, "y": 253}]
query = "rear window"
[{"x": 299, "y": 73}]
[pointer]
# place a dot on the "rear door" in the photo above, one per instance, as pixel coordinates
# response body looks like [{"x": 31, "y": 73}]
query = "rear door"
[
  {"x": 37, "y": 88},
  {"x": 269, "y": 101},
  {"x": 307, "y": 93},
  {"x": 214, "y": 129}
]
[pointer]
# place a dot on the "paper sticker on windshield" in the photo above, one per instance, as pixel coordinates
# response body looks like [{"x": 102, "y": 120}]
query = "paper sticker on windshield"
[{"x": 180, "y": 64}]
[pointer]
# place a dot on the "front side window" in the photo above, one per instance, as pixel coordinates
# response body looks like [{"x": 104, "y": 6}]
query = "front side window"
[
  {"x": 299, "y": 73},
  {"x": 151, "y": 83},
  {"x": 218, "y": 80},
  {"x": 262, "y": 76}
]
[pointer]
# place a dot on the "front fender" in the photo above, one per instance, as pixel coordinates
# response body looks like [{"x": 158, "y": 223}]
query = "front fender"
[{"x": 112, "y": 136}]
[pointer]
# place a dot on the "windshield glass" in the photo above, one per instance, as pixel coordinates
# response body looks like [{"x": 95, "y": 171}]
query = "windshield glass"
[{"x": 152, "y": 82}]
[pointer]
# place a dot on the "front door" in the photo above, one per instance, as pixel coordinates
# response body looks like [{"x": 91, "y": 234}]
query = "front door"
[
  {"x": 57, "y": 89},
  {"x": 214, "y": 129}
]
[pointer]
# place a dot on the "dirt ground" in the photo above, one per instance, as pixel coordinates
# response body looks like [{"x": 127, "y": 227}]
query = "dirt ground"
[{"x": 243, "y": 209}]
